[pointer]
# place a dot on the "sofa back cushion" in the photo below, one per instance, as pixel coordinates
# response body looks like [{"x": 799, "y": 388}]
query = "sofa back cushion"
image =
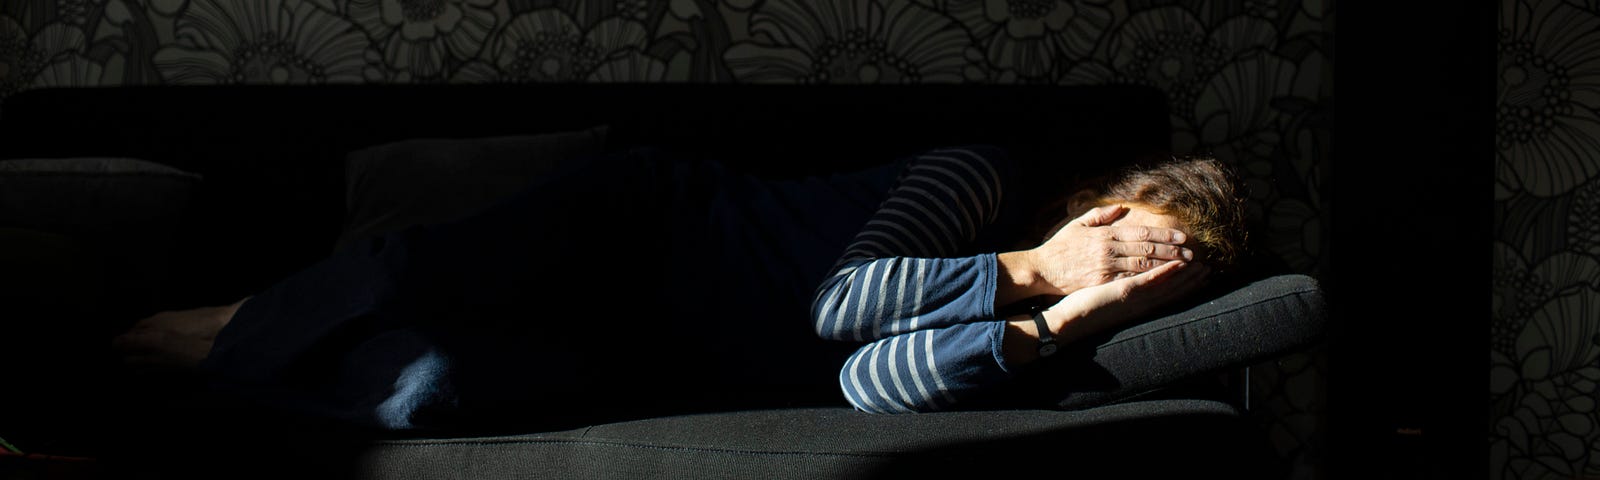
[
  {"x": 118, "y": 216},
  {"x": 430, "y": 180}
]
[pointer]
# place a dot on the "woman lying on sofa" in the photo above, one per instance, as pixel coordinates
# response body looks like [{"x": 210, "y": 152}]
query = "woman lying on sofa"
[{"x": 643, "y": 284}]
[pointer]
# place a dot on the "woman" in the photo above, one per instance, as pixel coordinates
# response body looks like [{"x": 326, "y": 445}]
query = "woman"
[
  {"x": 675, "y": 285},
  {"x": 945, "y": 323}
]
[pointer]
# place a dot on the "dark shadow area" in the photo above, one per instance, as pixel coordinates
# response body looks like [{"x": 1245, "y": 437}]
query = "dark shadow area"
[
  {"x": 272, "y": 201},
  {"x": 1192, "y": 446}
]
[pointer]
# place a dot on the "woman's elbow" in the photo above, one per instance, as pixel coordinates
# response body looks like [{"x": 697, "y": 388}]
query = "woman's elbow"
[
  {"x": 882, "y": 405},
  {"x": 825, "y": 329},
  {"x": 866, "y": 395}
]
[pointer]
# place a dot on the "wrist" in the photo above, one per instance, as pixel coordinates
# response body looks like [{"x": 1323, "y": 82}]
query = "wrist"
[
  {"x": 1023, "y": 337},
  {"x": 1018, "y": 277},
  {"x": 1069, "y": 324}
]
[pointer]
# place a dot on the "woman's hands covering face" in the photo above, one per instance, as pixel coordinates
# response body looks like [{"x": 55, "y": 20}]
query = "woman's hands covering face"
[
  {"x": 1094, "y": 309},
  {"x": 1090, "y": 251}
]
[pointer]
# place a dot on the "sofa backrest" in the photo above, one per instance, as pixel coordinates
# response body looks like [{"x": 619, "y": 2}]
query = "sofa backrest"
[{"x": 272, "y": 157}]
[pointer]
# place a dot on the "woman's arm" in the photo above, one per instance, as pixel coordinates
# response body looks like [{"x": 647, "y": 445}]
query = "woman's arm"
[
  {"x": 1099, "y": 308},
  {"x": 940, "y": 368},
  {"x": 1085, "y": 252},
  {"x": 926, "y": 370},
  {"x": 901, "y": 272}
]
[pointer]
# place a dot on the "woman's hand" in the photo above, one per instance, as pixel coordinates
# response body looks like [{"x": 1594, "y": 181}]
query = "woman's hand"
[
  {"x": 1089, "y": 251},
  {"x": 1094, "y": 309},
  {"x": 178, "y": 338},
  {"x": 1101, "y": 307}
]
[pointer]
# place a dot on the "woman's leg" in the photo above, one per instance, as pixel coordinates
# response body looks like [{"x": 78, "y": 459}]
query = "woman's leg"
[{"x": 446, "y": 325}]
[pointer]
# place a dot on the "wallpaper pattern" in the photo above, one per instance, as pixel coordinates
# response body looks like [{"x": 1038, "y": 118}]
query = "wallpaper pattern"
[
  {"x": 1545, "y": 332},
  {"x": 1248, "y": 81}
]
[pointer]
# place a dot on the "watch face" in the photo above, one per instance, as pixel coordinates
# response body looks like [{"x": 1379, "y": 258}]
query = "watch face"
[{"x": 1047, "y": 350}]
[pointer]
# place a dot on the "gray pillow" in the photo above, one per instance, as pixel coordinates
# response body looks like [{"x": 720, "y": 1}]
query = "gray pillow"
[
  {"x": 1260, "y": 320},
  {"x": 92, "y": 195},
  {"x": 111, "y": 222},
  {"x": 429, "y": 180}
]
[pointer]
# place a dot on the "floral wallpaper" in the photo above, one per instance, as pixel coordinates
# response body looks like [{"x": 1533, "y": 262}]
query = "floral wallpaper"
[
  {"x": 1545, "y": 340},
  {"x": 1248, "y": 81}
]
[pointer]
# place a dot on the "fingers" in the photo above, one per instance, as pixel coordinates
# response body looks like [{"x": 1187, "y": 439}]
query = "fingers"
[
  {"x": 1136, "y": 265},
  {"x": 157, "y": 348},
  {"x": 1140, "y": 233},
  {"x": 1160, "y": 273},
  {"x": 137, "y": 340},
  {"x": 1169, "y": 271},
  {"x": 1099, "y": 216},
  {"x": 1158, "y": 251}
]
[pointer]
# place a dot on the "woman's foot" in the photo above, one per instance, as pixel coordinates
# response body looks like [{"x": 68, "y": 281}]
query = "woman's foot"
[{"x": 174, "y": 339}]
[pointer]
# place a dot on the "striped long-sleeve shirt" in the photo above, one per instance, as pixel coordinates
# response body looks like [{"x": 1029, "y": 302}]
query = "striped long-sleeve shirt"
[{"x": 907, "y": 286}]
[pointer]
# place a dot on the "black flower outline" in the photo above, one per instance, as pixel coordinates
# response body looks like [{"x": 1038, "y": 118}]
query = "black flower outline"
[
  {"x": 73, "y": 70},
  {"x": 421, "y": 36},
  {"x": 1168, "y": 48},
  {"x": 1549, "y": 87},
  {"x": 632, "y": 67},
  {"x": 1546, "y": 392},
  {"x": 262, "y": 42},
  {"x": 27, "y": 53},
  {"x": 546, "y": 45},
  {"x": 1028, "y": 38},
  {"x": 849, "y": 41},
  {"x": 1583, "y": 230}
]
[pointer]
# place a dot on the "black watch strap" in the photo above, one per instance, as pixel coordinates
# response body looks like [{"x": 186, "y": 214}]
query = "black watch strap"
[{"x": 1047, "y": 343}]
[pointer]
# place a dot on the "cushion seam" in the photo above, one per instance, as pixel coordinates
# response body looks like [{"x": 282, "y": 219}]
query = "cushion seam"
[
  {"x": 634, "y": 445},
  {"x": 31, "y": 173}
]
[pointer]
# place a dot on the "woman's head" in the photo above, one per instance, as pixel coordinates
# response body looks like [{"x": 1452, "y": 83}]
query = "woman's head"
[{"x": 1198, "y": 194}]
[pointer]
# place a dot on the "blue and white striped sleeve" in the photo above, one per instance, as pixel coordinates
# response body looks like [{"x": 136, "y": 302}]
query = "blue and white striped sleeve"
[
  {"x": 900, "y": 272},
  {"x": 925, "y": 371},
  {"x": 929, "y": 314}
]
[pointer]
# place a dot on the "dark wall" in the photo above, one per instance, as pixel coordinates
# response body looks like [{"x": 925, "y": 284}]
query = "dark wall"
[{"x": 1412, "y": 205}]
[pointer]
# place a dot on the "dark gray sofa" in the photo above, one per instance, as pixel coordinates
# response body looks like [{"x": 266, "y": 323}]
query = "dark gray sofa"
[{"x": 271, "y": 190}]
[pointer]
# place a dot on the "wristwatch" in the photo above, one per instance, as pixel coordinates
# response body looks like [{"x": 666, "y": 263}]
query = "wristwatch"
[{"x": 1047, "y": 343}]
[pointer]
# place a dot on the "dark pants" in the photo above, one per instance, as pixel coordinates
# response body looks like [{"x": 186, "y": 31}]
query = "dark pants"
[{"x": 551, "y": 301}]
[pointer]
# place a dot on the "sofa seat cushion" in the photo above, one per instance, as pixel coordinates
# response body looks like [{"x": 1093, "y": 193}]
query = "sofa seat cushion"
[{"x": 1154, "y": 436}]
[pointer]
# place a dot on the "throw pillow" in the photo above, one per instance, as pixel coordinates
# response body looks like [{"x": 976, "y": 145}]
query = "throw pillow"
[
  {"x": 430, "y": 180},
  {"x": 91, "y": 195},
  {"x": 119, "y": 216},
  {"x": 1260, "y": 320}
]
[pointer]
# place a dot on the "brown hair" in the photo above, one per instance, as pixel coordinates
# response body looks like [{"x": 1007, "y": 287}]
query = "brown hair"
[{"x": 1204, "y": 194}]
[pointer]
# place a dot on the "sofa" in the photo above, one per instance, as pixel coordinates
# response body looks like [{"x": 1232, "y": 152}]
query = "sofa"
[{"x": 119, "y": 202}]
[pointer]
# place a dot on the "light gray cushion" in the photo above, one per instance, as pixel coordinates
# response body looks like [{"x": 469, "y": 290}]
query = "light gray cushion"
[{"x": 430, "y": 180}]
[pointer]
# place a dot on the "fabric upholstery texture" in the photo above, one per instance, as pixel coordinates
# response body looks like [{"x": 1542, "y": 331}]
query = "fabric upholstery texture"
[
  {"x": 844, "y": 443},
  {"x": 1265, "y": 318},
  {"x": 1108, "y": 404},
  {"x": 91, "y": 195},
  {"x": 426, "y": 180}
]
